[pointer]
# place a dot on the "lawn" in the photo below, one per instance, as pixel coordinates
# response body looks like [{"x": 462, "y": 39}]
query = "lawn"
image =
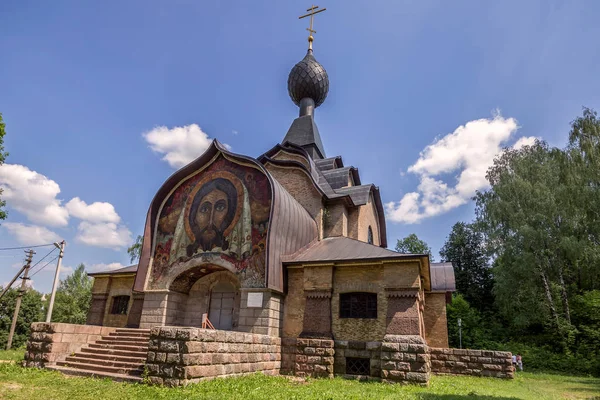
[{"x": 25, "y": 383}]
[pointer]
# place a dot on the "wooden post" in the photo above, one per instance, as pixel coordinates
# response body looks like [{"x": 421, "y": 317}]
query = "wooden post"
[{"x": 19, "y": 298}]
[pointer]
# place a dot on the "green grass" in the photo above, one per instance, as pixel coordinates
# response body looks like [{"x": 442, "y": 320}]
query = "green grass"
[
  {"x": 12, "y": 354},
  {"x": 26, "y": 383}
]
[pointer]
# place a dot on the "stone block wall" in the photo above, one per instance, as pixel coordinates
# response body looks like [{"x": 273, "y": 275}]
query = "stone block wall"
[
  {"x": 314, "y": 357},
  {"x": 52, "y": 342},
  {"x": 405, "y": 358},
  {"x": 264, "y": 320},
  {"x": 178, "y": 356},
  {"x": 496, "y": 364},
  {"x": 357, "y": 349}
]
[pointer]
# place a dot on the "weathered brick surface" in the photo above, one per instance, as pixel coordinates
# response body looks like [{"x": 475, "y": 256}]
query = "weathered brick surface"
[
  {"x": 436, "y": 323},
  {"x": 472, "y": 362},
  {"x": 405, "y": 359},
  {"x": 178, "y": 356},
  {"x": 52, "y": 342}
]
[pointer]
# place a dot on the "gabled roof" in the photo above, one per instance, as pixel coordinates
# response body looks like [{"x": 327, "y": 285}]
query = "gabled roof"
[
  {"x": 343, "y": 248},
  {"x": 132, "y": 269}
]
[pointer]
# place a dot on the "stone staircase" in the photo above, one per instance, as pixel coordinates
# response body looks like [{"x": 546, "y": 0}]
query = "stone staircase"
[{"x": 120, "y": 356}]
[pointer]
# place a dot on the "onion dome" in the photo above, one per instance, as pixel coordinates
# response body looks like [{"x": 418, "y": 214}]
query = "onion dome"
[{"x": 308, "y": 80}]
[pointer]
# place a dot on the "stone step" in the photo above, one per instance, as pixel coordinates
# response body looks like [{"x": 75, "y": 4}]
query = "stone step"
[
  {"x": 95, "y": 374},
  {"x": 130, "y": 334},
  {"x": 106, "y": 353},
  {"x": 107, "y": 359},
  {"x": 100, "y": 368},
  {"x": 119, "y": 342},
  {"x": 114, "y": 346},
  {"x": 134, "y": 330},
  {"x": 126, "y": 338}
]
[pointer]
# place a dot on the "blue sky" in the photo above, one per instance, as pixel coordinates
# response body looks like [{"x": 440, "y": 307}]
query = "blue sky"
[{"x": 82, "y": 82}]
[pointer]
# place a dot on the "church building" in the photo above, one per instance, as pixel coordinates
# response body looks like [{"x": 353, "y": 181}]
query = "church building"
[
  {"x": 277, "y": 264},
  {"x": 289, "y": 244}
]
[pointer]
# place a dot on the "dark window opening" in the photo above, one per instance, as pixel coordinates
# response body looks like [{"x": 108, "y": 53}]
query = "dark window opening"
[
  {"x": 370, "y": 236},
  {"x": 119, "y": 305},
  {"x": 358, "y": 305},
  {"x": 358, "y": 366}
]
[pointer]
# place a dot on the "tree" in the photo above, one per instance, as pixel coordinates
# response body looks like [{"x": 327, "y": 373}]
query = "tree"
[
  {"x": 531, "y": 222},
  {"x": 465, "y": 249},
  {"x": 135, "y": 250},
  {"x": 73, "y": 298},
  {"x": 32, "y": 310},
  {"x": 3, "y": 156},
  {"x": 413, "y": 245}
]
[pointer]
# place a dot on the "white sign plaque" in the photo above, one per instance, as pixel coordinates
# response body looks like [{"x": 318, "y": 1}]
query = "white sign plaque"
[{"x": 255, "y": 299}]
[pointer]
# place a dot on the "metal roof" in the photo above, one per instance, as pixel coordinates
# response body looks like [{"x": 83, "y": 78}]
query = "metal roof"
[
  {"x": 442, "y": 277},
  {"x": 341, "y": 249},
  {"x": 121, "y": 271}
]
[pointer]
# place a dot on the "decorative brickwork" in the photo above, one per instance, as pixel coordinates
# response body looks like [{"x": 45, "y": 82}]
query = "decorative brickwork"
[
  {"x": 317, "y": 315},
  {"x": 405, "y": 358},
  {"x": 497, "y": 364},
  {"x": 52, "y": 342},
  {"x": 178, "y": 356},
  {"x": 314, "y": 357}
]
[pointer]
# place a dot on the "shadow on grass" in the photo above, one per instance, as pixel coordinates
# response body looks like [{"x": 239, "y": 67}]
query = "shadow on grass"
[{"x": 432, "y": 396}]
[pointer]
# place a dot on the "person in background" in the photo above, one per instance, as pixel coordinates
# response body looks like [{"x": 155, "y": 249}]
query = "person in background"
[
  {"x": 520, "y": 362},
  {"x": 514, "y": 361}
]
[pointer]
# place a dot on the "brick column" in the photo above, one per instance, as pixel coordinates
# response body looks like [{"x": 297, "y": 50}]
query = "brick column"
[
  {"x": 317, "y": 314},
  {"x": 97, "y": 308},
  {"x": 154, "y": 311},
  {"x": 405, "y": 358},
  {"x": 261, "y": 311},
  {"x": 135, "y": 312}
]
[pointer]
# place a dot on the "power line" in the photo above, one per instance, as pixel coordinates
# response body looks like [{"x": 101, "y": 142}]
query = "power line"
[
  {"x": 42, "y": 259},
  {"x": 26, "y": 247},
  {"x": 45, "y": 265}
]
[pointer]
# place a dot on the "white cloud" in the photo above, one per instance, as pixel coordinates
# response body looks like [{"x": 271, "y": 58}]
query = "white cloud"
[
  {"x": 105, "y": 267},
  {"x": 31, "y": 234},
  {"x": 32, "y": 194},
  {"x": 234, "y": 132},
  {"x": 180, "y": 145},
  {"x": 95, "y": 212},
  {"x": 103, "y": 234},
  {"x": 468, "y": 152}
]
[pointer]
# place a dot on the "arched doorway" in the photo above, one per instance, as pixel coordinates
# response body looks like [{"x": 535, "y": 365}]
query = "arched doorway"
[{"x": 222, "y": 304}]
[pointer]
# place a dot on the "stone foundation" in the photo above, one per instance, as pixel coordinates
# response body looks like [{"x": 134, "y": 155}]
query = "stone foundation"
[
  {"x": 314, "y": 357},
  {"x": 179, "y": 356},
  {"x": 405, "y": 358},
  {"x": 52, "y": 342},
  {"x": 357, "y": 349},
  {"x": 496, "y": 364}
]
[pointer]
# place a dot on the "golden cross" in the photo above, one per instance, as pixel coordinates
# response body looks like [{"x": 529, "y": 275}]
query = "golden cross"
[{"x": 311, "y": 14}]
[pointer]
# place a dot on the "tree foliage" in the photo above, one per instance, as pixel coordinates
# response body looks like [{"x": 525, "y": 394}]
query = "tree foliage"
[
  {"x": 135, "y": 250},
  {"x": 32, "y": 310},
  {"x": 3, "y": 156},
  {"x": 540, "y": 221},
  {"x": 413, "y": 245},
  {"x": 73, "y": 298},
  {"x": 465, "y": 248}
]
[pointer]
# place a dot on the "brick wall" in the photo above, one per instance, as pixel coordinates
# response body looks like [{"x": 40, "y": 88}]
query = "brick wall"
[
  {"x": 314, "y": 357},
  {"x": 52, "y": 342},
  {"x": 436, "y": 323},
  {"x": 119, "y": 286},
  {"x": 472, "y": 362},
  {"x": 178, "y": 356},
  {"x": 264, "y": 320},
  {"x": 293, "y": 306},
  {"x": 357, "y": 349},
  {"x": 358, "y": 279}
]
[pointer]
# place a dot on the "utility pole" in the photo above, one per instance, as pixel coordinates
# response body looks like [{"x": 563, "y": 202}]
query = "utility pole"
[
  {"x": 20, "y": 297},
  {"x": 61, "y": 247}
]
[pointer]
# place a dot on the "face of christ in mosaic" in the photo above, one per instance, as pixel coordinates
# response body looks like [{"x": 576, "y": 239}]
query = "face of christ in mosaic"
[
  {"x": 211, "y": 214},
  {"x": 212, "y": 211}
]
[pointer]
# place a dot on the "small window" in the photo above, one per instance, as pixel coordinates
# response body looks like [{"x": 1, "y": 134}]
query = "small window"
[
  {"x": 370, "y": 236},
  {"x": 119, "y": 305},
  {"x": 358, "y": 305},
  {"x": 358, "y": 366}
]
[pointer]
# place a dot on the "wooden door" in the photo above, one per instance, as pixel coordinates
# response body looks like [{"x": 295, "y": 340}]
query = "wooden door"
[{"x": 221, "y": 306}]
